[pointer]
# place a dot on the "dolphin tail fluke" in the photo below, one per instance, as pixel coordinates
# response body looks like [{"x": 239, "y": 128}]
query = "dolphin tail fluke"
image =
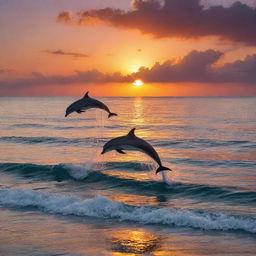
[
  {"x": 162, "y": 168},
  {"x": 111, "y": 114}
]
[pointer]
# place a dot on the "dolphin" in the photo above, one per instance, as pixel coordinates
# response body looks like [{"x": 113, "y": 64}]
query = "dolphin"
[
  {"x": 132, "y": 142},
  {"x": 85, "y": 103}
]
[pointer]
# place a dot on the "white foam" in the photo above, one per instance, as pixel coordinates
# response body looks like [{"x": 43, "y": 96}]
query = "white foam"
[
  {"x": 80, "y": 171},
  {"x": 102, "y": 207}
]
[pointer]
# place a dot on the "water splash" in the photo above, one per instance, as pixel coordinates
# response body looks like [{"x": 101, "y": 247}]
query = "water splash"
[
  {"x": 92, "y": 161},
  {"x": 79, "y": 171}
]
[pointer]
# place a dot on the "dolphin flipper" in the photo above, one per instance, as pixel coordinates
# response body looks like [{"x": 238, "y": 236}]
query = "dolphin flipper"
[
  {"x": 119, "y": 150},
  {"x": 79, "y": 111}
]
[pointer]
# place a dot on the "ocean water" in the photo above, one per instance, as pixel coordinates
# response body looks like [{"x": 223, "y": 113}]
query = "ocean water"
[{"x": 60, "y": 196}]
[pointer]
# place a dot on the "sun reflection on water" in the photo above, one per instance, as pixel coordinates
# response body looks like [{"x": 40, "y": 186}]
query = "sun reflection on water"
[
  {"x": 134, "y": 242},
  {"x": 138, "y": 118}
]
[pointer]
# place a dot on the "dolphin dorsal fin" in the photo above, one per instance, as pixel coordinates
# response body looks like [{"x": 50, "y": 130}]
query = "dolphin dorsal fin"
[
  {"x": 86, "y": 95},
  {"x": 131, "y": 132}
]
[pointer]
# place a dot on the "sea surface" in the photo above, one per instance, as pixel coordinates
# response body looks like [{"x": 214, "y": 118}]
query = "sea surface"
[{"x": 60, "y": 196}]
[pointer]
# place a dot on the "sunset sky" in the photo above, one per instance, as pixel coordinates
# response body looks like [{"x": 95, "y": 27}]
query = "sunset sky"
[{"x": 176, "y": 47}]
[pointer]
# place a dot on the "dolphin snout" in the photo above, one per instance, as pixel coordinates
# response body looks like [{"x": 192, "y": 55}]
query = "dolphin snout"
[{"x": 103, "y": 151}]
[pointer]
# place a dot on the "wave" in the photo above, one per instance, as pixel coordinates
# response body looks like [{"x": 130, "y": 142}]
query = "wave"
[
  {"x": 176, "y": 144},
  {"x": 214, "y": 163},
  {"x": 28, "y": 126},
  {"x": 58, "y": 127},
  {"x": 50, "y": 140},
  {"x": 89, "y": 173},
  {"x": 102, "y": 207},
  {"x": 66, "y": 171},
  {"x": 39, "y": 172},
  {"x": 203, "y": 143}
]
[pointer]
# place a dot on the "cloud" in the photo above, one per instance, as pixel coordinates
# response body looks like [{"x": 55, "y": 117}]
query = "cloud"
[
  {"x": 195, "y": 67},
  {"x": 73, "y": 54},
  {"x": 184, "y": 19},
  {"x": 201, "y": 67},
  {"x": 90, "y": 76},
  {"x": 142, "y": 4},
  {"x": 65, "y": 17},
  {"x": 5, "y": 70},
  {"x": 241, "y": 71},
  {"x": 226, "y": 3}
]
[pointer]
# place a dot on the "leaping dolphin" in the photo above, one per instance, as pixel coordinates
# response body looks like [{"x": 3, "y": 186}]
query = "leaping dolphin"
[
  {"x": 132, "y": 142},
  {"x": 85, "y": 103}
]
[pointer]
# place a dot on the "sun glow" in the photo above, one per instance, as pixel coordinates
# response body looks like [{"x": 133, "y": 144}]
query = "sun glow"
[
  {"x": 138, "y": 83},
  {"x": 135, "y": 68}
]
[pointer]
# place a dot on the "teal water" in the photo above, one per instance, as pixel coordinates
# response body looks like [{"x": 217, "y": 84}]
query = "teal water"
[{"x": 60, "y": 196}]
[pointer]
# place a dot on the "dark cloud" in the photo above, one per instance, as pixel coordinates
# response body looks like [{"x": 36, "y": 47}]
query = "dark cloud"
[
  {"x": 146, "y": 5},
  {"x": 240, "y": 71},
  {"x": 201, "y": 67},
  {"x": 227, "y": 3},
  {"x": 180, "y": 19},
  {"x": 65, "y": 17},
  {"x": 73, "y": 54}
]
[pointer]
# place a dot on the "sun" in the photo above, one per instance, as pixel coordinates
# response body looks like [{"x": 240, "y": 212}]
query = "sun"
[{"x": 138, "y": 83}]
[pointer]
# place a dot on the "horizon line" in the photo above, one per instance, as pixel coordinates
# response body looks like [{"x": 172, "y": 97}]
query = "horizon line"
[{"x": 192, "y": 96}]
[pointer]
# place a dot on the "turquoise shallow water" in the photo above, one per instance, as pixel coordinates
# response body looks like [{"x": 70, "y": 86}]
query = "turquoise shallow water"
[{"x": 59, "y": 196}]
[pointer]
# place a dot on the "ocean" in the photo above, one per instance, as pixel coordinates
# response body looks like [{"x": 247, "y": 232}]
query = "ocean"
[{"x": 60, "y": 196}]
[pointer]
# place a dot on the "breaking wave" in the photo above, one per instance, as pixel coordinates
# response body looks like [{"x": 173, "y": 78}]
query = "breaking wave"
[
  {"x": 89, "y": 172},
  {"x": 101, "y": 207}
]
